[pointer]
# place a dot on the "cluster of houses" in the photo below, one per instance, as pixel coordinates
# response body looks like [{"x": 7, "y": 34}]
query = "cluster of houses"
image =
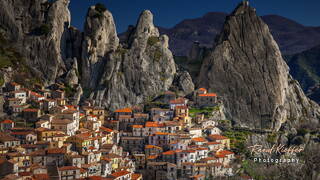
[{"x": 45, "y": 136}]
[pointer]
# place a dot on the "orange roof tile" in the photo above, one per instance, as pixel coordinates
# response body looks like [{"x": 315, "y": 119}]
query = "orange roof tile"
[
  {"x": 66, "y": 168},
  {"x": 217, "y": 137},
  {"x": 208, "y": 95},
  {"x": 7, "y": 121},
  {"x": 152, "y": 146},
  {"x": 125, "y": 110},
  {"x": 137, "y": 126},
  {"x": 169, "y": 153},
  {"x": 202, "y": 89},
  {"x": 178, "y": 101},
  {"x": 120, "y": 173},
  {"x": 30, "y": 110},
  {"x": 153, "y": 124},
  {"x": 152, "y": 157},
  {"x": 136, "y": 176},
  {"x": 224, "y": 152},
  {"x": 198, "y": 139}
]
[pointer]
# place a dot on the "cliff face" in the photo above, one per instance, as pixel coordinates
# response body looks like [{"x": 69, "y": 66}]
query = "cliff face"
[
  {"x": 116, "y": 74},
  {"x": 139, "y": 70},
  {"x": 100, "y": 38},
  {"x": 38, "y": 30},
  {"x": 246, "y": 69}
]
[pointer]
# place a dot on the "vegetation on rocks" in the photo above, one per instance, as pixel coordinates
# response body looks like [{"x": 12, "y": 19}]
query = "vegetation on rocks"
[
  {"x": 271, "y": 138},
  {"x": 100, "y": 8},
  {"x": 153, "y": 40},
  {"x": 238, "y": 140},
  {"x": 69, "y": 90},
  {"x": 1, "y": 80},
  {"x": 44, "y": 29}
]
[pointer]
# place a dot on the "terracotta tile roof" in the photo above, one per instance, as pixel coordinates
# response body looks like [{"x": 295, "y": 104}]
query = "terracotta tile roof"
[
  {"x": 169, "y": 153},
  {"x": 102, "y": 128},
  {"x": 41, "y": 177},
  {"x": 199, "y": 139},
  {"x": 161, "y": 133},
  {"x": 56, "y": 151},
  {"x": 217, "y": 137},
  {"x": 120, "y": 173},
  {"x": 67, "y": 168},
  {"x": 178, "y": 101},
  {"x": 181, "y": 107},
  {"x": 136, "y": 176},
  {"x": 152, "y": 157},
  {"x": 208, "y": 95},
  {"x": 153, "y": 124},
  {"x": 124, "y": 110},
  {"x": 224, "y": 152},
  {"x": 35, "y": 94},
  {"x": 140, "y": 115},
  {"x": 30, "y": 110},
  {"x": 24, "y": 173},
  {"x": 61, "y": 121},
  {"x": 7, "y": 121},
  {"x": 137, "y": 126},
  {"x": 22, "y": 133},
  {"x": 152, "y": 146}
]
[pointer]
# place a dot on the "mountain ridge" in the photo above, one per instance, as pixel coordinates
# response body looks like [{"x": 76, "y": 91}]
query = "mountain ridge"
[{"x": 289, "y": 34}]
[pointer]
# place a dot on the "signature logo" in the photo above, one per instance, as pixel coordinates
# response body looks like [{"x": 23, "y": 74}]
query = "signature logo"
[{"x": 278, "y": 149}]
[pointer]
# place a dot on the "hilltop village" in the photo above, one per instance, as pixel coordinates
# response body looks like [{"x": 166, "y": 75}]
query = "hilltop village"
[{"x": 48, "y": 137}]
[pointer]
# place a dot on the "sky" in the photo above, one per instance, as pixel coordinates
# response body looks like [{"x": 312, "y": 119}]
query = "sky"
[{"x": 168, "y": 13}]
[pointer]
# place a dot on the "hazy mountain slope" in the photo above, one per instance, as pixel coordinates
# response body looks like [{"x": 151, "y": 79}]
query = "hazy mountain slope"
[{"x": 291, "y": 36}]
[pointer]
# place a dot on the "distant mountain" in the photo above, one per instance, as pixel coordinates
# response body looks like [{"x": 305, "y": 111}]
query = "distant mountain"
[
  {"x": 305, "y": 67},
  {"x": 291, "y": 36}
]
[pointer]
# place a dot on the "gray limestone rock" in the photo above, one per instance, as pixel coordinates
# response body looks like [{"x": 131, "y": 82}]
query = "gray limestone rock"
[
  {"x": 247, "y": 70},
  {"x": 100, "y": 38},
  {"x": 37, "y": 28},
  {"x": 140, "y": 72}
]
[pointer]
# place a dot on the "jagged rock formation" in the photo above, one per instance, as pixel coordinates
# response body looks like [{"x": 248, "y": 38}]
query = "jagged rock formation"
[
  {"x": 37, "y": 28},
  {"x": 118, "y": 74},
  {"x": 72, "y": 75},
  {"x": 246, "y": 69},
  {"x": 139, "y": 70},
  {"x": 183, "y": 83},
  {"x": 77, "y": 96},
  {"x": 100, "y": 37}
]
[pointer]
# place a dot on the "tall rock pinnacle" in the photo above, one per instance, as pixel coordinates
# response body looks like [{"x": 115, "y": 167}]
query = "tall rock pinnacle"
[
  {"x": 246, "y": 69},
  {"x": 100, "y": 37},
  {"x": 138, "y": 72}
]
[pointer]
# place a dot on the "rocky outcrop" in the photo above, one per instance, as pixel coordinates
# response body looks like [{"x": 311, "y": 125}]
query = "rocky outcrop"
[
  {"x": 77, "y": 96},
  {"x": 100, "y": 38},
  {"x": 72, "y": 75},
  {"x": 246, "y": 69},
  {"x": 140, "y": 69},
  {"x": 37, "y": 28},
  {"x": 183, "y": 83}
]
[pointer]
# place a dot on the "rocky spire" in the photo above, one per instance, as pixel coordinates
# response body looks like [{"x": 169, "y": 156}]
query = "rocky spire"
[
  {"x": 100, "y": 37},
  {"x": 140, "y": 72},
  {"x": 247, "y": 70}
]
